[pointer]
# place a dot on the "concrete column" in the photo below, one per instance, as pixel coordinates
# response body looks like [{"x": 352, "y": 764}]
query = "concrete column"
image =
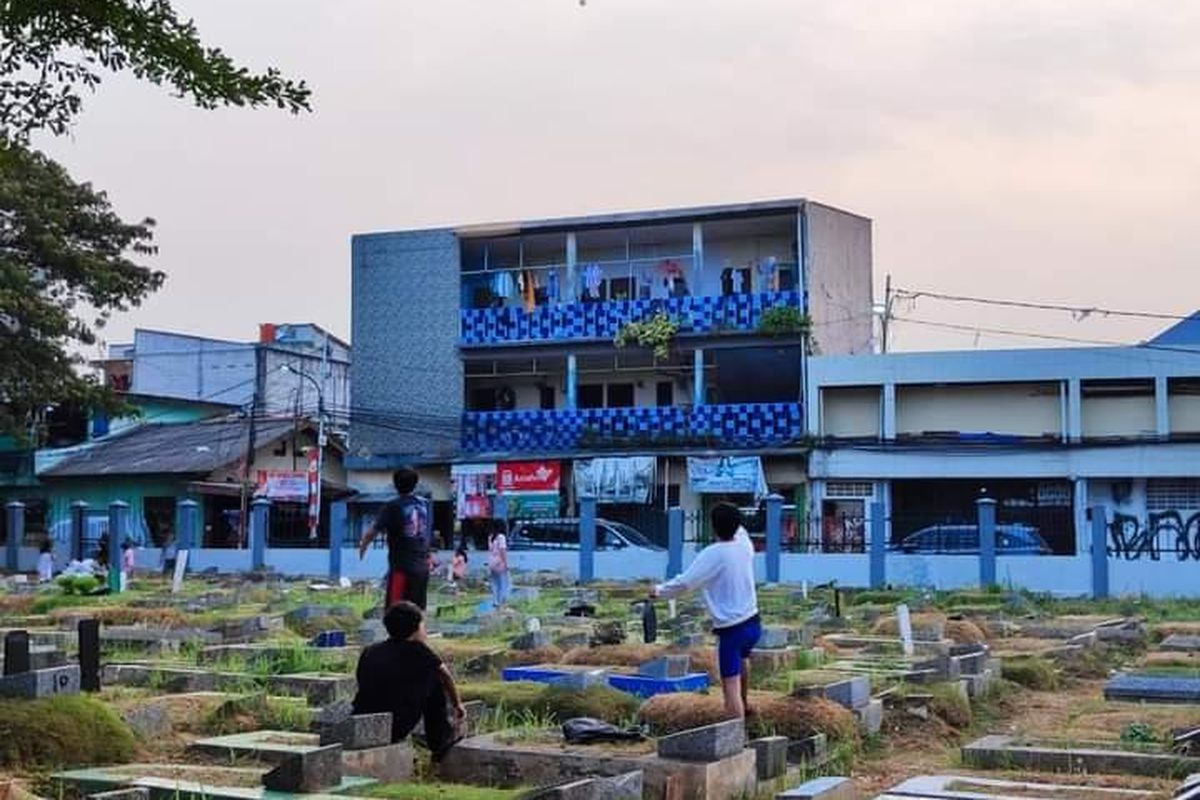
[
  {"x": 985, "y": 510},
  {"x": 587, "y": 539},
  {"x": 15, "y": 519},
  {"x": 188, "y": 537},
  {"x": 774, "y": 536},
  {"x": 572, "y": 382},
  {"x": 339, "y": 520},
  {"x": 1162, "y": 407},
  {"x": 878, "y": 546},
  {"x": 260, "y": 524},
  {"x": 812, "y": 525},
  {"x": 1080, "y": 516},
  {"x": 79, "y": 510},
  {"x": 888, "y": 408},
  {"x": 570, "y": 291},
  {"x": 674, "y": 542},
  {"x": 118, "y": 532},
  {"x": 697, "y": 258},
  {"x": 698, "y": 377},
  {"x": 1074, "y": 410},
  {"x": 1099, "y": 552}
]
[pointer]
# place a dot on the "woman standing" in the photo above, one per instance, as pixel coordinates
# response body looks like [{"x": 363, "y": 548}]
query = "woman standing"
[{"x": 498, "y": 567}]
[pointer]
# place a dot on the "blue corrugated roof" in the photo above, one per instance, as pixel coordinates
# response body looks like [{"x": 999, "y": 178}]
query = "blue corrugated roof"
[{"x": 1185, "y": 333}]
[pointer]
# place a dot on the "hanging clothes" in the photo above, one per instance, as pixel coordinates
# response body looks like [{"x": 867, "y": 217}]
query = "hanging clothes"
[
  {"x": 503, "y": 285},
  {"x": 591, "y": 280},
  {"x": 552, "y": 287},
  {"x": 528, "y": 290},
  {"x": 739, "y": 281},
  {"x": 768, "y": 274}
]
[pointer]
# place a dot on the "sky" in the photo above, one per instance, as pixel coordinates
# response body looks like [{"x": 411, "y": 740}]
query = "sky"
[{"x": 1027, "y": 149}]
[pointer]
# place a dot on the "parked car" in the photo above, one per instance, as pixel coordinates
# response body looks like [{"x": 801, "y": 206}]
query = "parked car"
[
  {"x": 963, "y": 539},
  {"x": 563, "y": 534}
]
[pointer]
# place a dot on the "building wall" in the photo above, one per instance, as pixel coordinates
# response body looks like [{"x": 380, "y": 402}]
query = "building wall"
[
  {"x": 1184, "y": 411},
  {"x": 851, "y": 411},
  {"x": 407, "y": 374},
  {"x": 174, "y": 365},
  {"x": 1019, "y": 409},
  {"x": 1119, "y": 416},
  {"x": 839, "y": 266}
]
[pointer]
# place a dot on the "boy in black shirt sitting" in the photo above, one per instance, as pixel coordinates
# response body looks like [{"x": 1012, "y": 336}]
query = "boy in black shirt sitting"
[{"x": 403, "y": 677}]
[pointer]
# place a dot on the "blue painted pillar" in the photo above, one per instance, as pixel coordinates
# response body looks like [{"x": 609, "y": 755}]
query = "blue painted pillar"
[
  {"x": 260, "y": 522},
  {"x": 888, "y": 411},
  {"x": 1162, "y": 407},
  {"x": 698, "y": 377},
  {"x": 118, "y": 532},
  {"x": 339, "y": 519},
  {"x": 774, "y": 536},
  {"x": 15, "y": 520},
  {"x": 189, "y": 526},
  {"x": 985, "y": 508},
  {"x": 1099, "y": 552},
  {"x": 674, "y": 542},
  {"x": 878, "y": 546},
  {"x": 587, "y": 539},
  {"x": 1074, "y": 410},
  {"x": 79, "y": 512},
  {"x": 572, "y": 382}
]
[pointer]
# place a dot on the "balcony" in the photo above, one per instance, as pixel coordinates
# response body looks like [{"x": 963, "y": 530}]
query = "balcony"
[
  {"x": 599, "y": 321},
  {"x": 735, "y": 426}
]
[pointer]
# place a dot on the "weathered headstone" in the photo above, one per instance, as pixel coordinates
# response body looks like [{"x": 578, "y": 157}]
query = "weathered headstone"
[
  {"x": 360, "y": 731},
  {"x": 89, "y": 655},
  {"x": 181, "y": 559},
  {"x": 531, "y": 641},
  {"x": 773, "y": 638},
  {"x": 869, "y": 716},
  {"x": 16, "y": 652},
  {"x": 1181, "y": 643},
  {"x": 649, "y": 623},
  {"x": 771, "y": 756},
  {"x": 307, "y": 771},
  {"x": 41, "y": 683},
  {"x": 610, "y": 632},
  {"x": 904, "y": 622},
  {"x": 709, "y": 743},
  {"x": 809, "y": 751}
]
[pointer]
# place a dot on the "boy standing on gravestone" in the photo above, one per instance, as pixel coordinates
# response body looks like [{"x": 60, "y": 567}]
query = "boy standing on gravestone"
[
  {"x": 403, "y": 677},
  {"x": 724, "y": 574},
  {"x": 405, "y": 522}
]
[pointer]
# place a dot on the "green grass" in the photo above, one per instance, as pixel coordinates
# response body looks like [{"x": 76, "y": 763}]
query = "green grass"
[
  {"x": 512, "y": 702},
  {"x": 62, "y": 731},
  {"x": 438, "y": 791},
  {"x": 1032, "y": 672}
]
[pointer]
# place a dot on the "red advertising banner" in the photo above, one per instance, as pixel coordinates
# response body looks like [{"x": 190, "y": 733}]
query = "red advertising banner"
[{"x": 528, "y": 476}]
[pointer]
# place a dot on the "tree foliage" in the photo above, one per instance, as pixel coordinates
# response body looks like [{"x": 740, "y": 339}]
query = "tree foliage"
[
  {"x": 65, "y": 267},
  {"x": 53, "y": 50},
  {"x": 67, "y": 261}
]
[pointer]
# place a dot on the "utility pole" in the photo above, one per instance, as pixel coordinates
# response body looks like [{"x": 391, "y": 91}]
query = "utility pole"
[
  {"x": 314, "y": 522},
  {"x": 260, "y": 381},
  {"x": 887, "y": 312}
]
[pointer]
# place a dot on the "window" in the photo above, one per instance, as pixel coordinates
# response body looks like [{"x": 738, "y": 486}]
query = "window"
[
  {"x": 546, "y": 394},
  {"x": 482, "y": 399},
  {"x": 591, "y": 396},
  {"x": 160, "y": 519},
  {"x": 664, "y": 393},
  {"x": 620, "y": 395},
  {"x": 1172, "y": 494}
]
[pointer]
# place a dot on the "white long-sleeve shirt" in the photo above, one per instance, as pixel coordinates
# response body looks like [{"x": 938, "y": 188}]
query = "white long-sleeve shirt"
[{"x": 724, "y": 574}]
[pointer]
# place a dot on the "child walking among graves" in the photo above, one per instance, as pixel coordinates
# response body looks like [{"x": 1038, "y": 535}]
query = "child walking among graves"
[
  {"x": 403, "y": 677},
  {"x": 405, "y": 523},
  {"x": 498, "y": 568},
  {"x": 724, "y": 575},
  {"x": 45, "y": 564}
]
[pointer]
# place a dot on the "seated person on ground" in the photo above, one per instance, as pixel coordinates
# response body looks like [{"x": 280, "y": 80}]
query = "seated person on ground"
[{"x": 405, "y": 678}]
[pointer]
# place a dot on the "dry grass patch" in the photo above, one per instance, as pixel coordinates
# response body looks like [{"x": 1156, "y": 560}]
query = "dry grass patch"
[
  {"x": 124, "y": 615},
  {"x": 775, "y": 715}
]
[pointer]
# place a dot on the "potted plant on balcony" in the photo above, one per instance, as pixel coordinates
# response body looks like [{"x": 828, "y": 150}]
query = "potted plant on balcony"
[{"x": 654, "y": 333}]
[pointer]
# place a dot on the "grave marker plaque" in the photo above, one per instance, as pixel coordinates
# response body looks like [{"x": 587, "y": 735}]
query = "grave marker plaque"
[
  {"x": 16, "y": 652},
  {"x": 89, "y": 655}
]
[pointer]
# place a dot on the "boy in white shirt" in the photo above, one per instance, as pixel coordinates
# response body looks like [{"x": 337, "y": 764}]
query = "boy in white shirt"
[{"x": 724, "y": 574}]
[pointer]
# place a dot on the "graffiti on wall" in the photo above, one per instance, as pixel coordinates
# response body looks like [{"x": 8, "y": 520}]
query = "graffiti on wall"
[{"x": 1164, "y": 532}]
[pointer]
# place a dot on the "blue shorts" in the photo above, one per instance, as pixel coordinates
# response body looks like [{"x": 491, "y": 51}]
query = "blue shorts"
[{"x": 735, "y": 643}]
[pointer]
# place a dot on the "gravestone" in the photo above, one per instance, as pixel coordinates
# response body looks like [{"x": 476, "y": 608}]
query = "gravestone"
[
  {"x": 181, "y": 560},
  {"x": 41, "y": 683},
  {"x": 329, "y": 639},
  {"x": 531, "y": 641},
  {"x": 391, "y": 763},
  {"x": 620, "y": 787},
  {"x": 89, "y": 655},
  {"x": 16, "y": 652},
  {"x": 1181, "y": 643},
  {"x": 649, "y": 623},
  {"x": 1153, "y": 688},
  {"x": 904, "y": 622},
  {"x": 771, "y": 756},
  {"x": 830, "y": 788},
  {"x": 149, "y": 721},
  {"x": 668, "y": 666},
  {"x": 709, "y": 743},
  {"x": 773, "y": 638},
  {"x": 611, "y": 632},
  {"x": 809, "y": 751},
  {"x": 308, "y": 771},
  {"x": 579, "y": 680},
  {"x": 360, "y": 731}
]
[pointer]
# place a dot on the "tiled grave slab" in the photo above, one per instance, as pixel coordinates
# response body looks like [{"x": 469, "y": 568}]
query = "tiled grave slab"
[
  {"x": 183, "y": 782},
  {"x": 268, "y": 746},
  {"x": 828, "y": 788},
  {"x": 1153, "y": 689},
  {"x": 1007, "y": 752},
  {"x": 640, "y": 685},
  {"x": 969, "y": 787},
  {"x": 484, "y": 760},
  {"x": 1181, "y": 643}
]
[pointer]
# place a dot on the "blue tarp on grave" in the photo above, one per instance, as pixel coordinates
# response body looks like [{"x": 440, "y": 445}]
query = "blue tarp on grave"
[{"x": 639, "y": 685}]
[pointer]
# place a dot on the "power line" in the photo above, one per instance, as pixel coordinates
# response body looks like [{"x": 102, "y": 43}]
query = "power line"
[
  {"x": 1048, "y": 336},
  {"x": 1079, "y": 312}
]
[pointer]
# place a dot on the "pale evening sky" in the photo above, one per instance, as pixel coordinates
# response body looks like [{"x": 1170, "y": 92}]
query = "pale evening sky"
[{"x": 1031, "y": 149}]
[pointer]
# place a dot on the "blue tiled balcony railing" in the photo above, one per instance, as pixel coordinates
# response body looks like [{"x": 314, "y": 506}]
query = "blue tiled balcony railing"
[
  {"x": 733, "y": 313},
  {"x": 742, "y": 425}
]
